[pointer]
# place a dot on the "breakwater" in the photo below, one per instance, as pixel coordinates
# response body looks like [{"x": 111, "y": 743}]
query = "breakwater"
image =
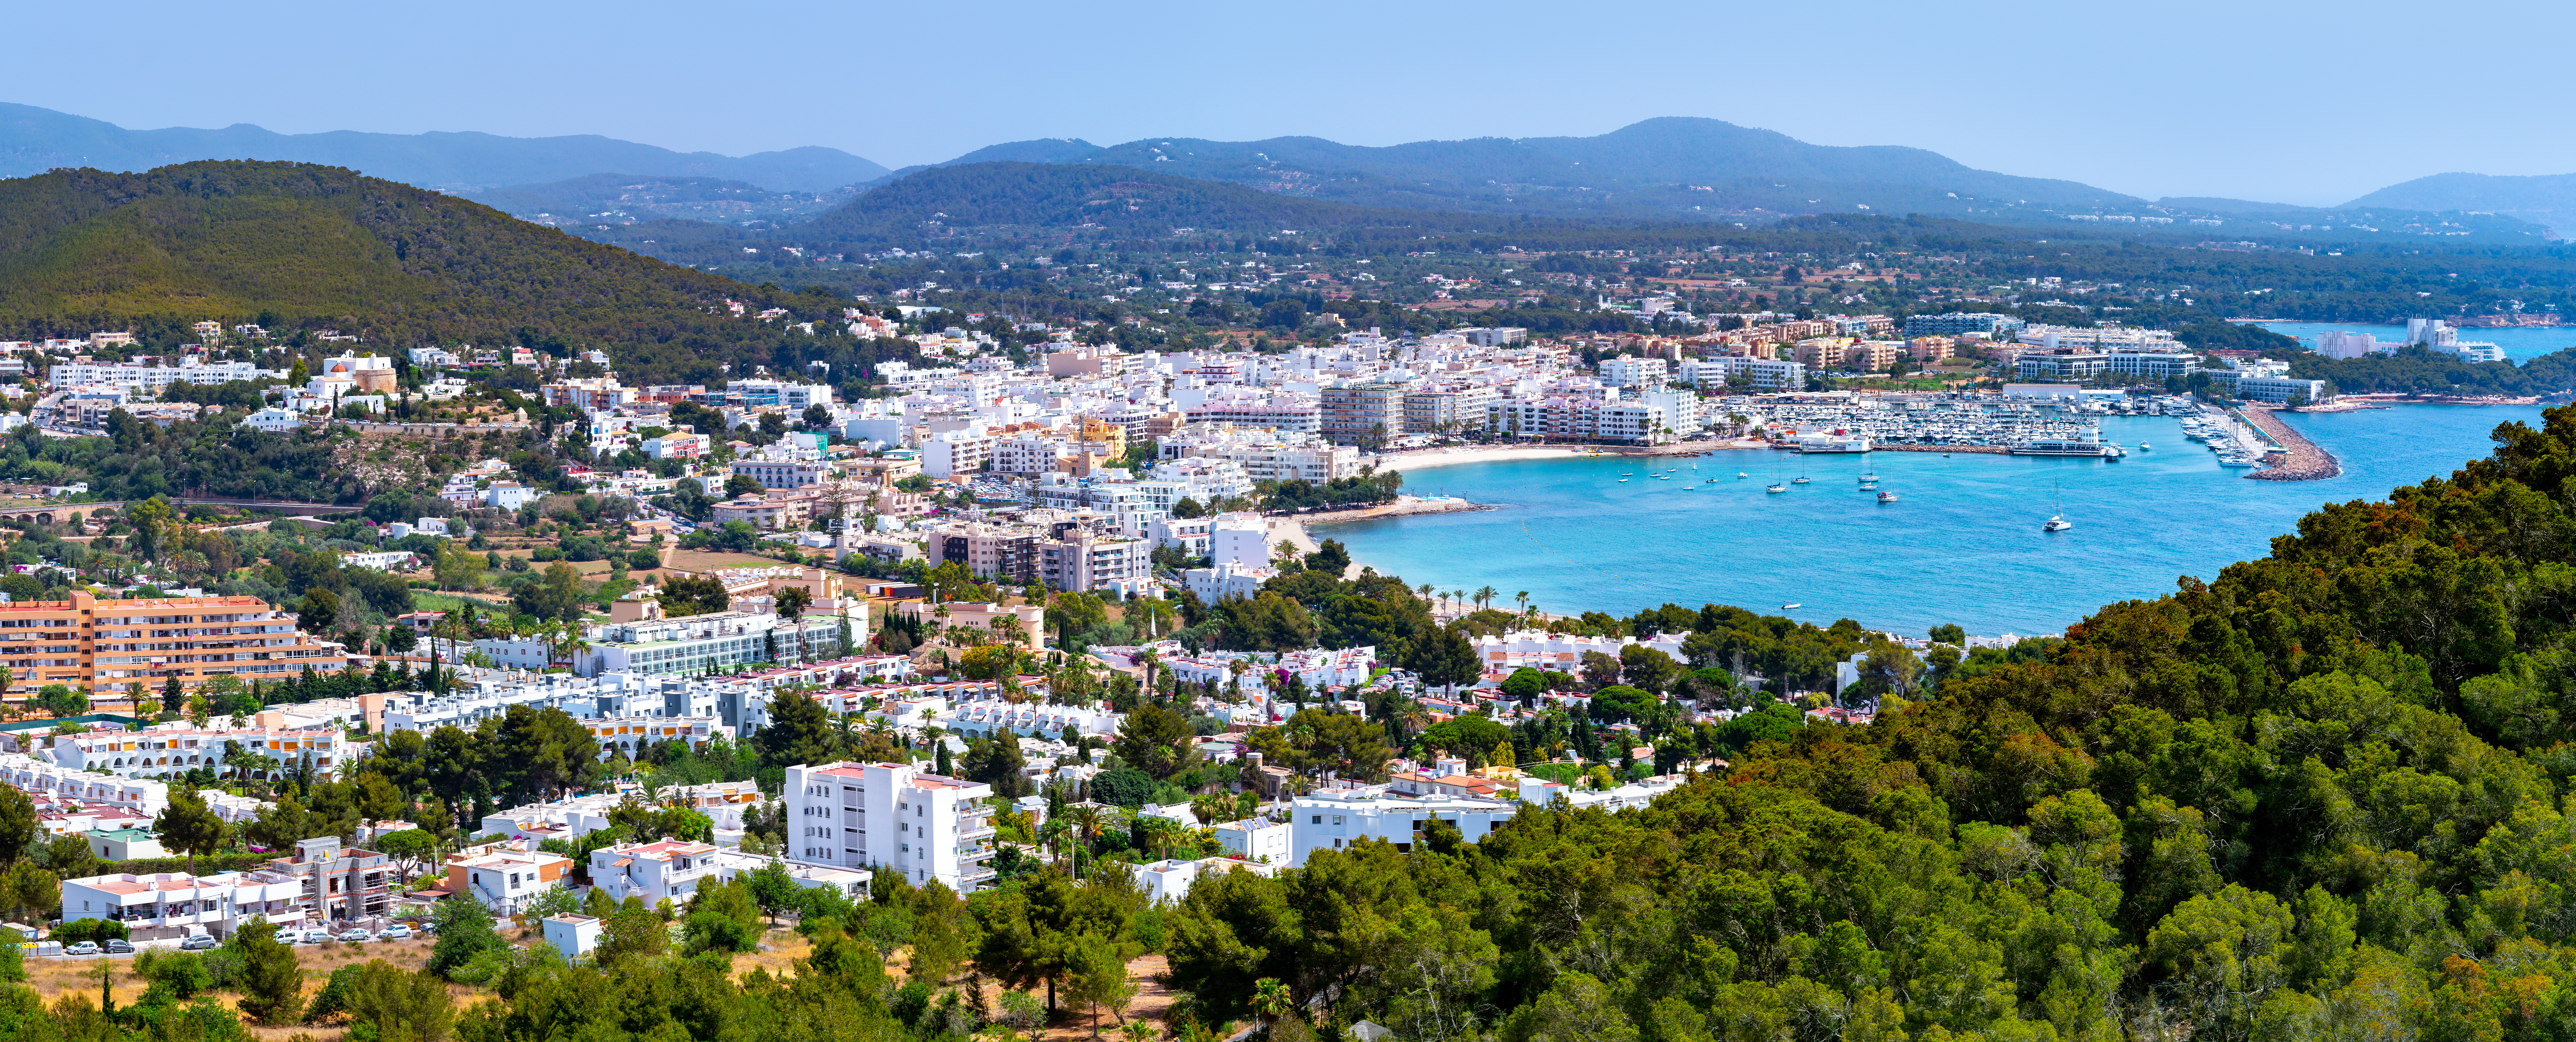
[{"x": 2302, "y": 459}]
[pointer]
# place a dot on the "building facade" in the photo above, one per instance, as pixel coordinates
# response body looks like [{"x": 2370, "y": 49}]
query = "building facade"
[
  {"x": 890, "y": 817},
  {"x": 97, "y": 645}
]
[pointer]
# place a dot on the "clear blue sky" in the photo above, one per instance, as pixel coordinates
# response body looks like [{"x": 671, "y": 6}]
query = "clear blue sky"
[{"x": 2302, "y": 103}]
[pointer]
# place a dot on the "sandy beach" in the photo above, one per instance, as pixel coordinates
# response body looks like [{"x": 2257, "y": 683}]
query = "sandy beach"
[{"x": 1427, "y": 458}]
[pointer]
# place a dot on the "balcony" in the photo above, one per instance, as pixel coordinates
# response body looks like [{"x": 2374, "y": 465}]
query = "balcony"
[
  {"x": 976, "y": 875},
  {"x": 974, "y": 831}
]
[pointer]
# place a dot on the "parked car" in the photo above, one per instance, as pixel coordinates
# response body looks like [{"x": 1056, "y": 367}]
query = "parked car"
[
  {"x": 83, "y": 948},
  {"x": 120, "y": 947},
  {"x": 316, "y": 936},
  {"x": 356, "y": 937},
  {"x": 396, "y": 932},
  {"x": 200, "y": 942}
]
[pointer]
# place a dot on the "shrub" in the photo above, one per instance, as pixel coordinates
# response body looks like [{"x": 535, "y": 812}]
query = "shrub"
[
  {"x": 644, "y": 560},
  {"x": 101, "y": 930}
]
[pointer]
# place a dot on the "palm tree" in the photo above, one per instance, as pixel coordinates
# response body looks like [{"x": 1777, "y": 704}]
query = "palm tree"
[
  {"x": 1485, "y": 596},
  {"x": 1147, "y": 658},
  {"x": 1523, "y": 598},
  {"x": 1271, "y": 1000},
  {"x": 1086, "y": 823}
]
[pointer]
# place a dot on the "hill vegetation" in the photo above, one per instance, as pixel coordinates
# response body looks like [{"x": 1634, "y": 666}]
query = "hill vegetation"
[
  {"x": 629, "y": 198},
  {"x": 304, "y": 248}
]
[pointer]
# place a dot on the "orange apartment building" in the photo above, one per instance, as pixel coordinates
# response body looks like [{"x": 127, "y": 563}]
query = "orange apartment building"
[{"x": 100, "y": 646}]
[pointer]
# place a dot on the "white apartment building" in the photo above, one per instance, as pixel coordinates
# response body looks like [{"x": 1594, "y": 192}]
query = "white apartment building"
[
  {"x": 1765, "y": 375},
  {"x": 1625, "y": 371},
  {"x": 1171, "y": 880},
  {"x": 41, "y": 779},
  {"x": 506, "y": 880},
  {"x": 951, "y": 453},
  {"x": 1257, "y": 839},
  {"x": 665, "y": 869},
  {"x": 1228, "y": 579},
  {"x": 1242, "y": 539},
  {"x": 696, "y": 643},
  {"x": 150, "y": 379},
  {"x": 891, "y": 817},
  {"x": 1334, "y": 819},
  {"x": 1190, "y": 535},
  {"x": 782, "y": 473},
  {"x": 1266, "y": 455},
  {"x": 984, "y": 717},
  {"x": 164, "y": 752},
  {"x": 1030, "y": 453},
  {"x": 273, "y": 420},
  {"x": 161, "y": 905}
]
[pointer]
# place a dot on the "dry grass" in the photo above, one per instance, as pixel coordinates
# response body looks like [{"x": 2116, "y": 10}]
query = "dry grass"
[
  {"x": 710, "y": 560},
  {"x": 53, "y": 978}
]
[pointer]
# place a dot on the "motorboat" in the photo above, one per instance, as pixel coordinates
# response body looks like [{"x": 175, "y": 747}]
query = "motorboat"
[{"x": 1788, "y": 607}]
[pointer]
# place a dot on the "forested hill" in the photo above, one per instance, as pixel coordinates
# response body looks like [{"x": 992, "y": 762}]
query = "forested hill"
[
  {"x": 301, "y": 247},
  {"x": 1116, "y": 199}
]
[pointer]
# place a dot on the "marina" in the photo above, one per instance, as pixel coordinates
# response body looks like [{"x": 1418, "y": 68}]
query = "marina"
[
  {"x": 2238, "y": 439},
  {"x": 1963, "y": 543}
]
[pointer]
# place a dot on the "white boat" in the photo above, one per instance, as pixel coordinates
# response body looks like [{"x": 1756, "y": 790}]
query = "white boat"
[
  {"x": 2056, "y": 524},
  {"x": 1887, "y": 497},
  {"x": 2143, "y": 446},
  {"x": 1777, "y": 488},
  {"x": 1741, "y": 475},
  {"x": 1786, "y": 607}
]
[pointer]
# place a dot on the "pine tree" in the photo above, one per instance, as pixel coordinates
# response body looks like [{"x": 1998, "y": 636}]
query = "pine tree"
[{"x": 271, "y": 976}]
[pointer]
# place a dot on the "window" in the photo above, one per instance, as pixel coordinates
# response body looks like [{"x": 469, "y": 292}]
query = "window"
[{"x": 1319, "y": 819}]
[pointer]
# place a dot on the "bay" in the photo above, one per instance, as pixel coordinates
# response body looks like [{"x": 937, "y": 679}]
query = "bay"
[
  {"x": 1962, "y": 545},
  {"x": 2520, "y": 343}
]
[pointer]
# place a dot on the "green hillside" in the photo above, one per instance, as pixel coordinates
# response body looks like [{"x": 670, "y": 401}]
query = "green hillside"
[
  {"x": 302, "y": 248},
  {"x": 1117, "y": 199}
]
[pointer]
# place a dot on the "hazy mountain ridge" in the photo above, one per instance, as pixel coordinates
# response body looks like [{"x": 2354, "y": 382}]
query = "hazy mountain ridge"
[
  {"x": 34, "y": 140},
  {"x": 2540, "y": 198}
]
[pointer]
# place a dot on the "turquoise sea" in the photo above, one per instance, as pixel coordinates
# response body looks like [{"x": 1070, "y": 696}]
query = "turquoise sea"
[
  {"x": 2520, "y": 343},
  {"x": 1961, "y": 545}
]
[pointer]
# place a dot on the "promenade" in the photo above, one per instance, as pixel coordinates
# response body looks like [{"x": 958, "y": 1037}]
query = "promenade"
[{"x": 2306, "y": 462}]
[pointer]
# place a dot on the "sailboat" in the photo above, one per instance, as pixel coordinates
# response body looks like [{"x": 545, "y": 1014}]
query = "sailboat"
[
  {"x": 2056, "y": 522},
  {"x": 1777, "y": 486}
]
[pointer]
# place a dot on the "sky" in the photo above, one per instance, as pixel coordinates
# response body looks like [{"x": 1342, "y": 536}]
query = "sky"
[{"x": 2304, "y": 103}]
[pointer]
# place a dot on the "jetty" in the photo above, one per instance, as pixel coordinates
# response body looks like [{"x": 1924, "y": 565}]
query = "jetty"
[{"x": 2301, "y": 460}]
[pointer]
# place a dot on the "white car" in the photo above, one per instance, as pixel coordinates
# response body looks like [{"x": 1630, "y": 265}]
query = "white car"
[
  {"x": 356, "y": 937},
  {"x": 396, "y": 932},
  {"x": 82, "y": 948},
  {"x": 315, "y": 936}
]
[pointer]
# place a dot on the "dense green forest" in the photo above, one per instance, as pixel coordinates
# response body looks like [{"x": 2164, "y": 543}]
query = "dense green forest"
[
  {"x": 2420, "y": 370},
  {"x": 300, "y": 248}
]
